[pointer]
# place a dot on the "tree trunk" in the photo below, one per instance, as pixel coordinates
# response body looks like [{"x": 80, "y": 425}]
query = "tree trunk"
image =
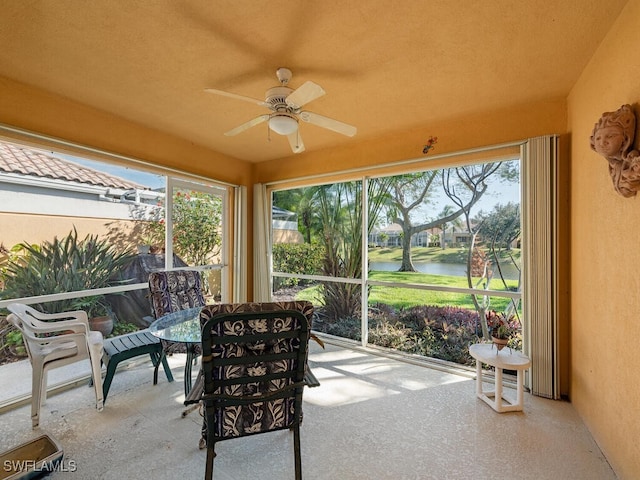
[{"x": 407, "y": 264}]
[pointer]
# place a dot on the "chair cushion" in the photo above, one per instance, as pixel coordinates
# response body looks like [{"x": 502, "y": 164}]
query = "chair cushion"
[
  {"x": 211, "y": 311},
  {"x": 175, "y": 290},
  {"x": 236, "y": 421}
]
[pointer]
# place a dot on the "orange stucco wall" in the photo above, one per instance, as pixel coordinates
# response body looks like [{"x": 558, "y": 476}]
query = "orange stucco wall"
[{"x": 605, "y": 256}]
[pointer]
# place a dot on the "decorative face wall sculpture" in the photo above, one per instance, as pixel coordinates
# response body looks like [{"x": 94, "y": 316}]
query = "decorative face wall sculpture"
[{"x": 612, "y": 138}]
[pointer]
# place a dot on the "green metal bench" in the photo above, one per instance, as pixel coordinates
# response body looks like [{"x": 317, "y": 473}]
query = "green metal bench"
[{"x": 123, "y": 347}]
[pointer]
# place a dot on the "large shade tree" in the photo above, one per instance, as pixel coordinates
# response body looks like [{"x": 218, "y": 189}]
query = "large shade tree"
[{"x": 463, "y": 185}]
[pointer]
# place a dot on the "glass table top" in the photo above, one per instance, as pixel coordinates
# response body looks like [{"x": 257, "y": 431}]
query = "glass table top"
[{"x": 182, "y": 326}]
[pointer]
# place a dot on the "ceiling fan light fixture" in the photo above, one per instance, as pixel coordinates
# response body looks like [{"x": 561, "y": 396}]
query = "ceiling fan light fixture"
[
  {"x": 285, "y": 105},
  {"x": 283, "y": 124}
]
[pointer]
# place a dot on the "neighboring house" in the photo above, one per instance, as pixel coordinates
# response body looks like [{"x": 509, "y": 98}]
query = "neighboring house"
[
  {"x": 388, "y": 236},
  {"x": 42, "y": 196},
  {"x": 391, "y": 236},
  {"x": 285, "y": 226}
]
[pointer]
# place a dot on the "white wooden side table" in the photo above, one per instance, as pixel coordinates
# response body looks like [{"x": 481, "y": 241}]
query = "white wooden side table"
[{"x": 504, "y": 359}]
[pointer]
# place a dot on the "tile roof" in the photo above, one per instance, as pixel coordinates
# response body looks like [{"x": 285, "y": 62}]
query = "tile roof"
[{"x": 24, "y": 161}]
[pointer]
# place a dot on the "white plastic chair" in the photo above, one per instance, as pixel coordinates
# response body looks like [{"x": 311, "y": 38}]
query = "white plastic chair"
[{"x": 55, "y": 340}]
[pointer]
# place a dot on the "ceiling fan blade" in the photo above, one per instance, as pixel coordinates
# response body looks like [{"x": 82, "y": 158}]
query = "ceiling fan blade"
[
  {"x": 295, "y": 141},
  {"x": 304, "y": 94},
  {"x": 247, "y": 125},
  {"x": 255, "y": 101},
  {"x": 329, "y": 123}
]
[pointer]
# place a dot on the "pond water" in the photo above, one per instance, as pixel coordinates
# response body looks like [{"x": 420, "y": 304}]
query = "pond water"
[{"x": 455, "y": 269}]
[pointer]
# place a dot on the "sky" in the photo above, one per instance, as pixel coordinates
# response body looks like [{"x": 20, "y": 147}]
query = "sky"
[
  {"x": 497, "y": 193},
  {"x": 502, "y": 193}
]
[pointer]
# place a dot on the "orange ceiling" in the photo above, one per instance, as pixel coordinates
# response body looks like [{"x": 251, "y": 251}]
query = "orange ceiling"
[{"x": 386, "y": 65}]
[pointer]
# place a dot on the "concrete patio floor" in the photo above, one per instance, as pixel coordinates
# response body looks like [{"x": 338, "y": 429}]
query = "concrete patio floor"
[{"x": 371, "y": 418}]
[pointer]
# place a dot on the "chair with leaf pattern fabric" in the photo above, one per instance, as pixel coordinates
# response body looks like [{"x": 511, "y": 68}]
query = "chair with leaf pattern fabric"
[
  {"x": 254, "y": 364},
  {"x": 172, "y": 291},
  {"x": 175, "y": 290}
]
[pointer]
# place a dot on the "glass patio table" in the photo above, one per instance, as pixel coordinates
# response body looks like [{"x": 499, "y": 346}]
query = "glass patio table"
[{"x": 181, "y": 327}]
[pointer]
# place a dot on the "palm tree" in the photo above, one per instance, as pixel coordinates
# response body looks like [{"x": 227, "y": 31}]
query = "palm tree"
[
  {"x": 340, "y": 211},
  {"x": 446, "y": 211}
]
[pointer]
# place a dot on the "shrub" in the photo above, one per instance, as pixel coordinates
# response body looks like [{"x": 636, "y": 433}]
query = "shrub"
[
  {"x": 432, "y": 331},
  {"x": 15, "y": 343},
  {"x": 63, "y": 265},
  {"x": 302, "y": 258},
  {"x": 122, "y": 328},
  {"x": 443, "y": 332},
  {"x": 346, "y": 328},
  {"x": 11, "y": 343}
]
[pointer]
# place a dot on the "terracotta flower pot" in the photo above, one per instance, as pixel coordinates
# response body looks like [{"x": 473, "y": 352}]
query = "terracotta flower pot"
[
  {"x": 103, "y": 324},
  {"x": 500, "y": 343}
]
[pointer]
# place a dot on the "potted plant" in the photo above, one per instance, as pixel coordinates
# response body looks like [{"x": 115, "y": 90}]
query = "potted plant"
[
  {"x": 502, "y": 327},
  {"x": 98, "y": 311},
  {"x": 152, "y": 237}
]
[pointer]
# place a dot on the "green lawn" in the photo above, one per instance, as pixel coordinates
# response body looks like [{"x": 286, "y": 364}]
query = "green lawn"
[
  {"x": 429, "y": 254},
  {"x": 419, "y": 254},
  {"x": 448, "y": 333},
  {"x": 407, "y": 297}
]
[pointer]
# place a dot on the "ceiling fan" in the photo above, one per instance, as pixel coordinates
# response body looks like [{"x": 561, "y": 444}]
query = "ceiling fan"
[{"x": 286, "y": 110}]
